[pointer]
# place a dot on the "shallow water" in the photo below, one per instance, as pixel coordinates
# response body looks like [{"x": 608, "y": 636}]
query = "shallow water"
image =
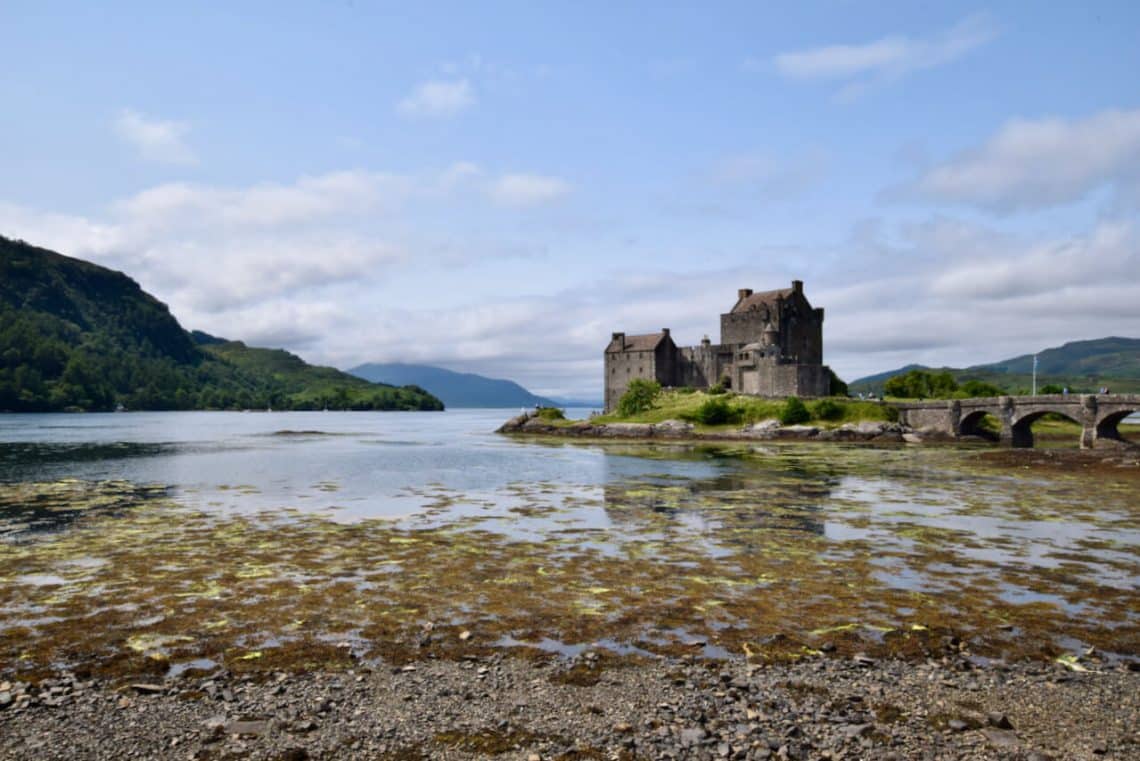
[{"x": 173, "y": 542}]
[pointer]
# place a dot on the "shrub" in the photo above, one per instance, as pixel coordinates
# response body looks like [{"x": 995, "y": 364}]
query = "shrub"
[
  {"x": 716, "y": 388},
  {"x": 981, "y": 388},
  {"x": 686, "y": 390},
  {"x": 1051, "y": 388},
  {"x": 921, "y": 384},
  {"x": 551, "y": 413},
  {"x": 639, "y": 397},
  {"x": 717, "y": 411},
  {"x": 794, "y": 412},
  {"x": 827, "y": 409}
]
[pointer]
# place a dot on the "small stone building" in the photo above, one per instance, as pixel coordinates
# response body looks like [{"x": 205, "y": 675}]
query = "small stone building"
[{"x": 771, "y": 344}]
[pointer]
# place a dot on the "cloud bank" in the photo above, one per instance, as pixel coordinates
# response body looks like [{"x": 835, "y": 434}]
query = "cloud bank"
[{"x": 1037, "y": 163}]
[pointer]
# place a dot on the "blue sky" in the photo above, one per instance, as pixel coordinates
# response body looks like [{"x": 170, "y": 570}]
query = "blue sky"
[{"x": 497, "y": 187}]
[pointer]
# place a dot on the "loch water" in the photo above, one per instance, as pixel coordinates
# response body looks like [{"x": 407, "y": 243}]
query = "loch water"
[{"x": 211, "y": 537}]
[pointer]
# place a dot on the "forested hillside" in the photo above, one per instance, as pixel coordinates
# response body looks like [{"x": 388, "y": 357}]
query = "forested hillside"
[
  {"x": 77, "y": 336},
  {"x": 1080, "y": 366}
]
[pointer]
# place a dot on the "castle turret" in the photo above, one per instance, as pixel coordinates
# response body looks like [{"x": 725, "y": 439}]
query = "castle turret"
[{"x": 770, "y": 336}]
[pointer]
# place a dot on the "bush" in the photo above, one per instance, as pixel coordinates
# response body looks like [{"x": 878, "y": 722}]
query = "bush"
[
  {"x": 551, "y": 413},
  {"x": 638, "y": 397},
  {"x": 921, "y": 384},
  {"x": 973, "y": 388},
  {"x": 715, "y": 389},
  {"x": 1051, "y": 388},
  {"x": 686, "y": 390},
  {"x": 827, "y": 409},
  {"x": 794, "y": 412},
  {"x": 717, "y": 411}
]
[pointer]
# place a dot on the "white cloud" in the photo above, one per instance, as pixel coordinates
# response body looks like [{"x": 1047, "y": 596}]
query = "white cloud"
[
  {"x": 956, "y": 293},
  {"x": 1031, "y": 164},
  {"x": 885, "y": 59},
  {"x": 527, "y": 189},
  {"x": 155, "y": 139},
  {"x": 1108, "y": 255},
  {"x": 438, "y": 99},
  {"x": 268, "y": 204},
  {"x": 291, "y": 262}
]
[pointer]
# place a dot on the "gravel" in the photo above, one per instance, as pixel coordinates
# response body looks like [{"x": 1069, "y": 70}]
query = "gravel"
[{"x": 591, "y": 708}]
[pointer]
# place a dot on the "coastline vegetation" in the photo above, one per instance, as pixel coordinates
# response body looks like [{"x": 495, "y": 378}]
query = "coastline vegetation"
[{"x": 710, "y": 410}]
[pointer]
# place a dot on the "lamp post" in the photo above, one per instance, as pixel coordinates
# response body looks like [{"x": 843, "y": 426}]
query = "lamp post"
[{"x": 1034, "y": 375}]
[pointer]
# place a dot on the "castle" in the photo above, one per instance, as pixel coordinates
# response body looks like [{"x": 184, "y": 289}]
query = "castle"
[{"x": 771, "y": 344}]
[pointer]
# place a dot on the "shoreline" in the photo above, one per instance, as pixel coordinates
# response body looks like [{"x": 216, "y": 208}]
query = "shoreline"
[
  {"x": 595, "y": 706},
  {"x": 1121, "y": 458},
  {"x": 678, "y": 430}
]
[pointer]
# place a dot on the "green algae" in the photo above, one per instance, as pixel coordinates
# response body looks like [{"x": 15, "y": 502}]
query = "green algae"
[{"x": 770, "y": 562}]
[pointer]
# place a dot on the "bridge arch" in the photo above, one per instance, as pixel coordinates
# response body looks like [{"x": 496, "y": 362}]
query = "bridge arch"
[
  {"x": 1021, "y": 427},
  {"x": 973, "y": 423},
  {"x": 1106, "y": 425},
  {"x": 1098, "y": 415}
]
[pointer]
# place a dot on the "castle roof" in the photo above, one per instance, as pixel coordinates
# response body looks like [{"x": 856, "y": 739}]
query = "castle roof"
[
  {"x": 644, "y": 342},
  {"x": 755, "y": 300}
]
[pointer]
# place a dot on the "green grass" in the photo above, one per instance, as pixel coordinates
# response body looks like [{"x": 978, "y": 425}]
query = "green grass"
[{"x": 678, "y": 405}]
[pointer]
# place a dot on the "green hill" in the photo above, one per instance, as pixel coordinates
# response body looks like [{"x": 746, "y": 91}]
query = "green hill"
[
  {"x": 77, "y": 336},
  {"x": 312, "y": 387},
  {"x": 1082, "y": 366}
]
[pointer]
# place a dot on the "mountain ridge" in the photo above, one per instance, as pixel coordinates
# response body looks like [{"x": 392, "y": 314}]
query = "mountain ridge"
[
  {"x": 456, "y": 389},
  {"x": 1082, "y": 365}
]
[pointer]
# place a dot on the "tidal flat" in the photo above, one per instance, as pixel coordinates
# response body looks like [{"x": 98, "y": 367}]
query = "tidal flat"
[{"x": 575, "y": 558}]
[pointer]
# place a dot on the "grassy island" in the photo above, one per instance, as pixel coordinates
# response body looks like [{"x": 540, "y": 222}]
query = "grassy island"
[{"x": 710, "y": 410}]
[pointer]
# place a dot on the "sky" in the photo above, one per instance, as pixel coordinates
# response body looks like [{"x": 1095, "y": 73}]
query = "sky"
[{"x": 497, "y": 187}]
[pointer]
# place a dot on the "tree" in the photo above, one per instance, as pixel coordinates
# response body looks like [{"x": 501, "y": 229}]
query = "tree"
[
  {"x": 921, "y": 384},
  {"x": 638, "y": 397},
  {"x": 794, "y": 412}
]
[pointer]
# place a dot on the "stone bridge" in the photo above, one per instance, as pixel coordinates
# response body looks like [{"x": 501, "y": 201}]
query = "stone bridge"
[{"x": 1097, "y": 414}]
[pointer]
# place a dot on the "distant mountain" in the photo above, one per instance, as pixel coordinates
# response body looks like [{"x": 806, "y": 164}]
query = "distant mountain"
[
  {"x": 77, "y": 336},
  {"x": 1111, "y": 357},
  {"x": 563, "y": 401},
  {"x": 1079, "y": 365},
  {"x": 875, "y": 382},
  {"x": 455, "y": 389}
]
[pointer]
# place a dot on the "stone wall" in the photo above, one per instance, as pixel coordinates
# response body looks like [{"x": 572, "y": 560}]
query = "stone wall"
[
  {"x": 769, "y": 378},
  {"x": 702, "y": 366},
  {"x": 622, "y": 367}
]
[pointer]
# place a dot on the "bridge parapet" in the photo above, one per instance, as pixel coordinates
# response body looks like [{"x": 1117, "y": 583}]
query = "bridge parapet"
[{"x": 1097, "y": 414}]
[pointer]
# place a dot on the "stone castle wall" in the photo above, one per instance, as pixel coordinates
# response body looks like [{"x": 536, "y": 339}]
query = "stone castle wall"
[{"x": 771, "y": 345}]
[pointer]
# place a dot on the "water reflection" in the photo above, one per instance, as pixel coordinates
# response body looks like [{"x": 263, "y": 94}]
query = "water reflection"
[{"x": 272, "y": 536}]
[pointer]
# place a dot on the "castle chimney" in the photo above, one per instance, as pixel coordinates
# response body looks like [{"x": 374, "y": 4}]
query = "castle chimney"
[
  {"x": 665, "y": 331},
  {"x": 798, "y": 286},
  {"x": 743, "y": 293},
  {"x": 620, "y": 337}
]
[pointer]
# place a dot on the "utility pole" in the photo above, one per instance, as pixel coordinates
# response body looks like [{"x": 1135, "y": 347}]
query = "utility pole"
[{"x": 1034, "y": 375}]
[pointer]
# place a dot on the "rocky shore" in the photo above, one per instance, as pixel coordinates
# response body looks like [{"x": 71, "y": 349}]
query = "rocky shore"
[
  {"x": 766, "y": 430},
  {"x": 596, "y": 706}
]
